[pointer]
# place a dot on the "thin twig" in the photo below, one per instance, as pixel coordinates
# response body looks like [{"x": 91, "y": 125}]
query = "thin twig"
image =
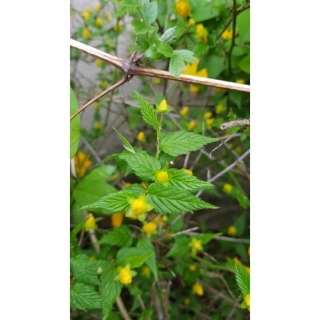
[
  {"x": 122, "y": 308},
  {"x": 223, "y": 142},
  {"x": 189, "y": 231},
  {"x": 236, "y": 123},
  {"x": 223, "y": 238}
]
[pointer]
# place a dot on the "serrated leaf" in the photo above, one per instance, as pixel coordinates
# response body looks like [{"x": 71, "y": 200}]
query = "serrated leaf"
[
  {"x": 141, "y": 27},
  {"x": 180, "y": 248},
  {"x": 150, "y": 11},
  {"x": 143, "y": 165},
  {"x": 135, "y": 257},
  {"x": 126, "y": 143},
  {"x": 171, "y": 200},
  {"x": 84, "y": 270},
  {"x": 152, "y": 53},
  {"x": 186, "y": 55},
  {"x": 177, "y": 65},
  {"x": 164, "y": 48},
  {"x": 183, "y": 181},
  {"x": 110, "y": 288},
  {"x": 117, "y": 202},
  {"x": 145, "y": 244},
  {"x": 149, "y": 114},
  {"x": 168, "y": 36},
  {"x": 120, "y": 237},
  {"x": 242, "y": 278},
  {"x": 182, "y": 142},
  {"x": 84, "y": 297}
]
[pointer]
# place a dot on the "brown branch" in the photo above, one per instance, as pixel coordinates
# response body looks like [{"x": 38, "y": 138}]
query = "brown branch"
[
  {"x": 134, "y": 69},
  {"x": 236, "y": 123}
]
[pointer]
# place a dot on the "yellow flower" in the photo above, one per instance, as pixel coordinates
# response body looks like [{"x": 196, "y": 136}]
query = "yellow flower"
[
  {"x": 146, "y": 271},
  {"x": 198, "y": 289},
  {"x": 139, "y": 206},
  {"x": 247, "y": 300},
  {"x": 185, "y": 111},
  {"x": 85, "y": 15},
  {"x": 191, "y": 70},
  {"x": 117, "y": 27},
  {"x": 116, "y": 219},
  {"x": 82, "y": 162},
  {"x": 98, "y": 125},
  {"x": 227, "y": 188},
  {"x": 194, "y": 88},
  {"x": 157, "y": 81},
  {"x": 241, "y": 81},
  {"x": 186, "y": 301},
  {"x": 90, "y": 222},
  {"x": 210, "y": 123},
  {"x": 144, "y": 185},
  {"x": 89, "y": 9},
  {"x": 226, "y": 35},
  {"x": 86, "y": 33},
  {"x": 126, "y": 184},
  {"x": 208, "y": 115},
  {"x": 232, "y": 231},
  {"x": 99, "y": 22},
  {"x": 140, "y": 136},
  {"x": 191, "y": 125},
  {"x": 98, "y": 7},
  {"x": 125, "y": 276},
  {"x": 99, "y": 63},
  {"x": 163, "y": 106},
  {"x": 219, "y": 108},
  {"x": 162, "y": 176},
  {"x": 218, "y": 90},
  {"x": 92, "y": 258},
  {"x": 108, "y": 16},
  {"x": 187, "y": 171},
  {"x": 97, "y": 106},
  {"x": 183, "y": 8},
  {"x": 238, "y": 150},
  {"x": 191, "y": 22},
  {"x": 149, "y": 228},
  {"x": 104, "y": 84},
  {"x": 192, "y": 268},
  {"x": 152, "y": 217},
  {"x": 202, "y": 33},
  {"x": 195, "y": 244}
]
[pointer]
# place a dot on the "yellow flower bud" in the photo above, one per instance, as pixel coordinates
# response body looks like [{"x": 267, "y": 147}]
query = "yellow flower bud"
[
  {"x": 126, "y": 184},
  {"x": 107, "y": 16},
  {"x": 196, "y": 244},
  {"x": 92, "y": 258},
  {"x": 183, "y": 8},
  {"x": 138, "y": 206},
  {"x": 241, "y": 81},
  {"x": 162, "y": 176},
  {"x": 149, "y": 228},
  {"x": 219, "y": 108},
  {"x": 157, "y": 81},
  {"x": 89, "y": 9},
  {"x": 152, "y": 217},
  {"x": 104, "y": 84},
  {"x": 98, "y": 125},
  {"x": 117, "y": 27},
  {"x": 236, "y": 260},
  {"x": 227, "y": 188},
  {"x": 82, "y": 162},
  {"x": 97, "y": 106},
  {"x": 144, "y": 185},
  {"x": 210, "y": 122},
  {"x": 193, "y": 88},
  {"x": 125, "y": 276},
  {"x": 192, "y": 268},
  {"x": 99, "y": 22},
  {"x": 86, "y": 33},
  {"x": 186, "y": 301},
  {"x": 208, "y": 115},
  {"x": 247, "y": 300},
  {"x": 187, "y": 171},
  {"x": 90, "y": 223},
  {"x": 163, "y": 106},
  {"x": 191, "y": 125},
  {"x": 232, "y": 231},
  {"x": 140, "y": 136},
  {"x": 98, "y": 7},
  {"x": 116, "y": 219},
  {"x": 184, "y": 112},
  {"x": 198, "y": 289},
  {"x": 238, "y": 150},
  {"x": 85, "y": 15},
  {"x": 191, "y": 22},
  {"x": 202, "y": 33},
  {"x": 146, "y": 271},
  {"x": 99, "y": 63}
]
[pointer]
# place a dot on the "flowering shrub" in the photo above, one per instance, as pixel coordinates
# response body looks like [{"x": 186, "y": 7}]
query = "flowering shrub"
[{"x": 160, "y": 224}]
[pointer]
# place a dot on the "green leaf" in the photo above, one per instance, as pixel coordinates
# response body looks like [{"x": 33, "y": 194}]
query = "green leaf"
[
  {"x": 180, "y": 248},
  {"x": 243, "y": 25},
  {"x": 214, "y": 65},
  {"x": 205, "y": 238},
  {"x": 186, "y": 55},
  {"x": 126, "y": 143},
  {"x": 117, "y": 202},
  {"x": 242, "y": 278},
  {"x": 150, "y": 11},
  {"x": 200, "y": 49},
  {"x": 135, "y": 257},
  {"x": 168, "y": 36},
  {"x": 141, "y": 27},
  {"x": 74, "y": 125},
  {"x": 143, "y": 165},
  {"x": 120, "y": 237},
  {"x": 93, "y": 187},
  {"x": 170, "y": 200},
  {"x": 84, "y": 297},
  {"x": 84, "y": 270},
  {"x": 240, "y": 224},
  {"x": 182, "y": 142},
  {"x": 183, "y": 181},
  {"x": 204, "y": 11},
  {"x": 149, "y": 114},
  {"x": 244, "y": 64},
  {"x": 152, "y": 53},
  {"x": 164, "y": 48},
  {"x": 177, "y": 65},
  {"x": 146, "y": 245},
  {"x": 110, "y": 288}
]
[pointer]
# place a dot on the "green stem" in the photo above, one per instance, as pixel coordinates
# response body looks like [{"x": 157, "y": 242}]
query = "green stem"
[
  {"x": 234, "y": 21},
  {"x": 211, "y": 265},
  {"x": 158, "y": 137}
]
